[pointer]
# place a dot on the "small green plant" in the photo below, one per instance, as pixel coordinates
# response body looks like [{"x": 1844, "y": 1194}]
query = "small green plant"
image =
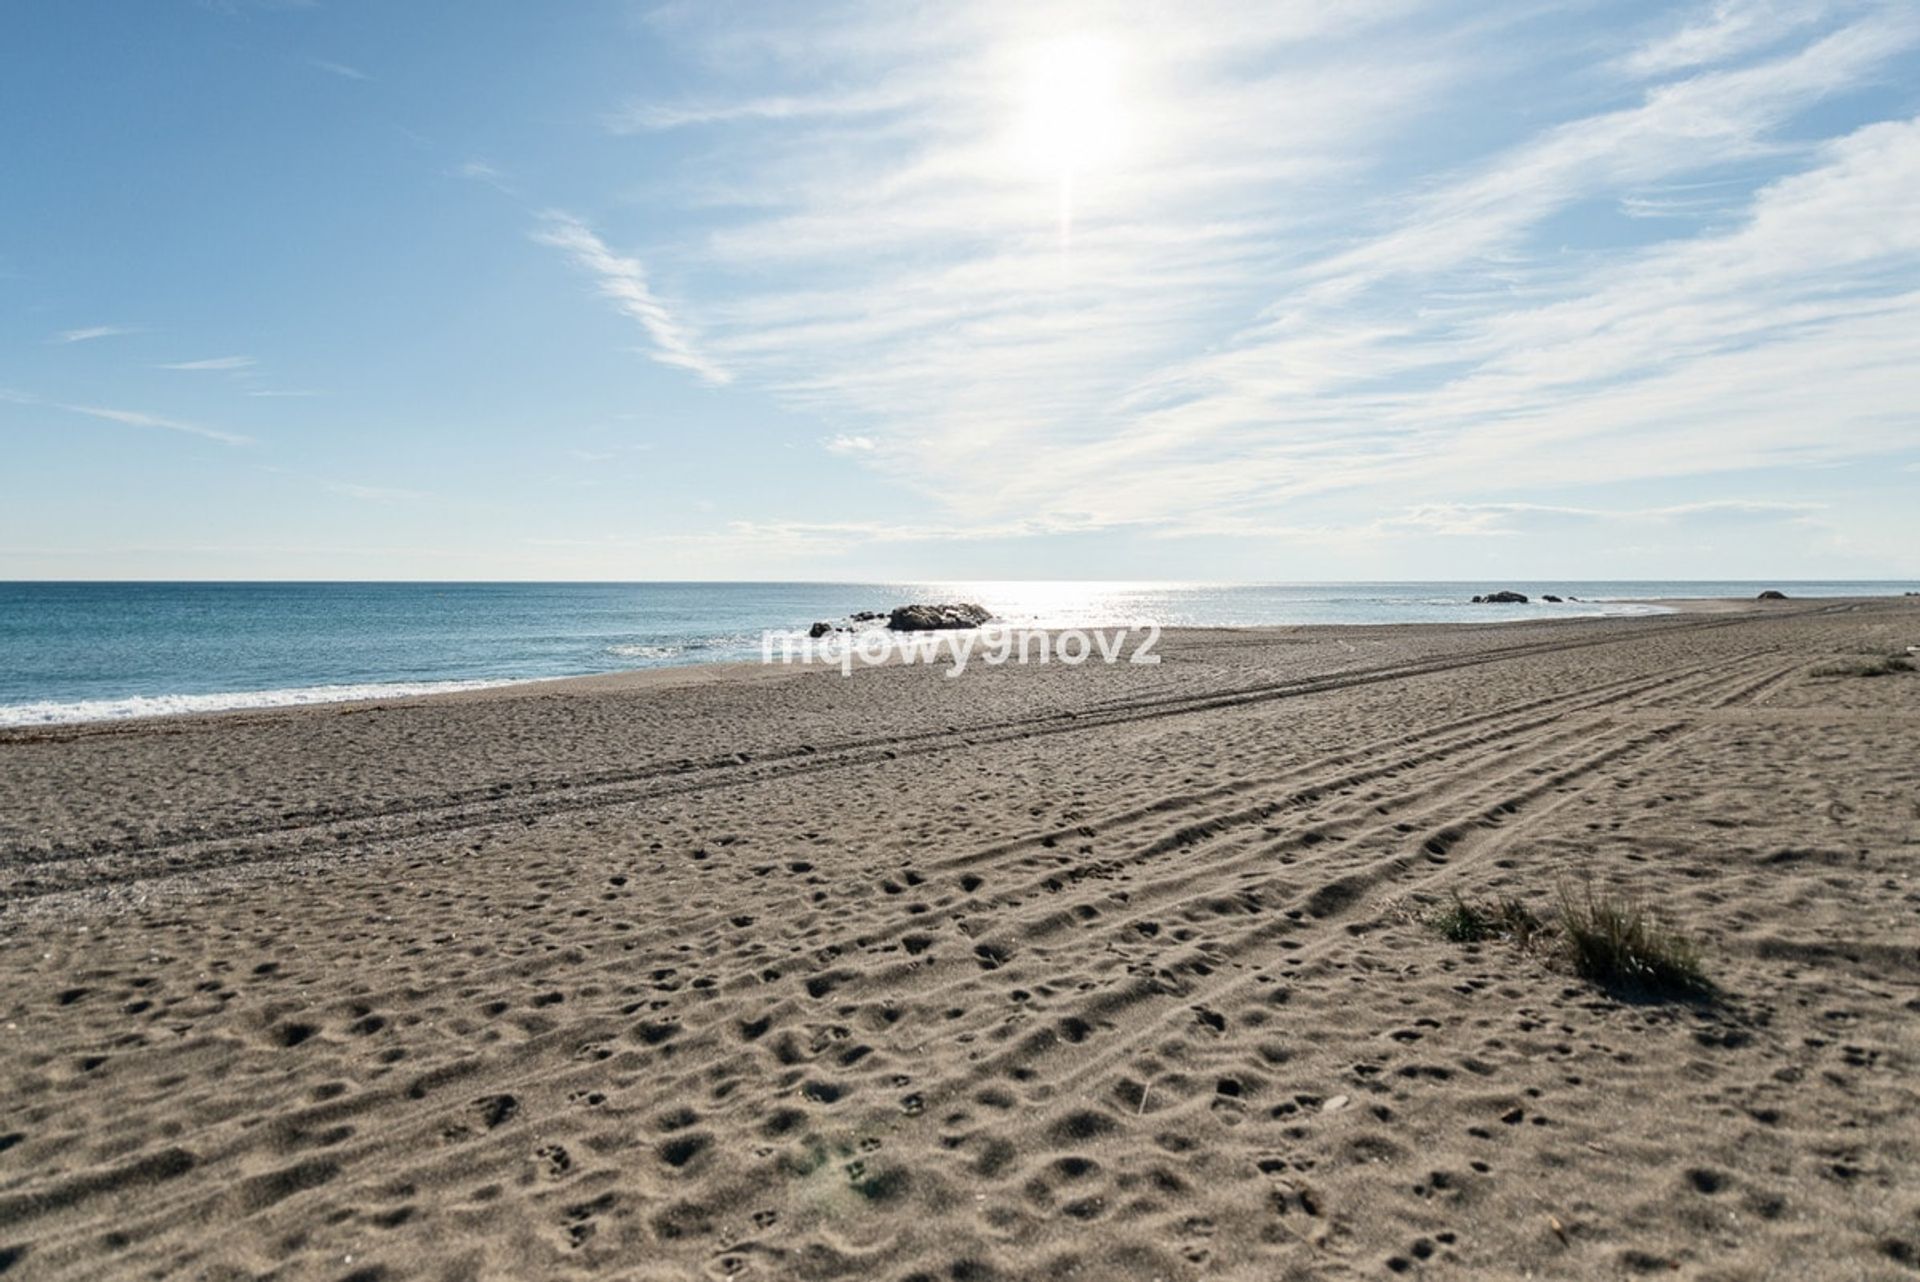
[
  {"x": 1882, "y": 665},
  {"x": 1617, "y": 944},
  {"x": 1461, "y": 922},
  {"x": 1466, "y": 922}
]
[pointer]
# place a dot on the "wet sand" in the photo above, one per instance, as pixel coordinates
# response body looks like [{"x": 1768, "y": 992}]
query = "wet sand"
[{"x": 1038, "y": 972}]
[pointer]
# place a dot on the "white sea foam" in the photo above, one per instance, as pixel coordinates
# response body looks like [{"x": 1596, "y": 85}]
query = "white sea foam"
[
  {"x": 719, "y": 648},
  {"x": 49, "y": 713},
  {"x": 646, "y": 651}
]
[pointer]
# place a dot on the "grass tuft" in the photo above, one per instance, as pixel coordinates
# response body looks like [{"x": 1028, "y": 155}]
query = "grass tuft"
[
  {"x": 1882, "y": 665},
  {"x": 1617, "y": 944},
  {"x": 1466, "y": 922}
]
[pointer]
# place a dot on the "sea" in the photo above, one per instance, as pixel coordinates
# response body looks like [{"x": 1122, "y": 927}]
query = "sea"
[{"x": 90, "y": 651}]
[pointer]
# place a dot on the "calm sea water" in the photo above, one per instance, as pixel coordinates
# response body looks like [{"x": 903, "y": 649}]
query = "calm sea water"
[{"x": 84, "y": 651}]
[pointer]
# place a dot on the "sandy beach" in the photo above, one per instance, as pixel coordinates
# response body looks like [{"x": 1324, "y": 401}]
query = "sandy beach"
[{"x": 1042, "y": 972}]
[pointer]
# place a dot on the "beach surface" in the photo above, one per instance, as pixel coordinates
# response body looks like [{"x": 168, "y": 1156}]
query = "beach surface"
[{"x": 1090, "y": 972}]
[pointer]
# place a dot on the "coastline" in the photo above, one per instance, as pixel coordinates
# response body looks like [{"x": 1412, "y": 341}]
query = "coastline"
[
  {"x": 80, "y": 652},
  {"x": 51, "y": 715}
]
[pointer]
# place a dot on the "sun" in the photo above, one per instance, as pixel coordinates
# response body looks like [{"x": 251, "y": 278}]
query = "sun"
[{"x": 1073, "y": 113}]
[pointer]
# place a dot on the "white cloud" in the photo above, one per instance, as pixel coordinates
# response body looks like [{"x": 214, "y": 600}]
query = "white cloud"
[
  {"x": 623, "y": 282},
  {"x": 929, "y": 300},
  {"x": 134, "y": 418},
  {"x": 1724, "y": 30},
  {"x": 375, "y": 493},
  {"x": 131, "y": 418},
  {"x": 1261, "y": 300},
  {"x": 214, "y": 363},
  {"x": 339, "y": 69},
  {"x": 1497, "y": 521},
  {"x": 1684, "y": 127},
  {"x": 92, "y": 332},
  {"x": 1778, "y": 341},
  {"x": 755, "y": 543},
  {"x": 492, "y": 175},
  {"x": 656, "y": 117}
]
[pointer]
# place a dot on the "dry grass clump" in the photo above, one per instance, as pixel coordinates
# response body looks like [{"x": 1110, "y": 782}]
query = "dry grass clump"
[
  {"x": 1880, "y": 665},
  {"x": 1610, "y": 941},
  {"x": 1467, "y": 922},
  {"x": 1617, "y": 944}
]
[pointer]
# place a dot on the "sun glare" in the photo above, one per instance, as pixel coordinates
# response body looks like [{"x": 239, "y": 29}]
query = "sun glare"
[
  {"x": 1073, "y": 117},
  {"x": 1073, "y": 111}
]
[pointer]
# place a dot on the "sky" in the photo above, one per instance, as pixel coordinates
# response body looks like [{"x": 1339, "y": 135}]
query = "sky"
[{"x": 1273, "y": 290}]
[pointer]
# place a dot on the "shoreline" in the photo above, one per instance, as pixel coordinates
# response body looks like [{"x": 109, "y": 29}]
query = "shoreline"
[{"x": 322, "y": 698}]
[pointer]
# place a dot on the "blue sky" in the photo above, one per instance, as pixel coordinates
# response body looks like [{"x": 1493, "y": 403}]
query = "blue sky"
[{"x": 1263, "y": 291}]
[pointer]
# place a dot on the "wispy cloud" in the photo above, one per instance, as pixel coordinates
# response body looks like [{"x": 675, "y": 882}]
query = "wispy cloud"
[
  {"x": 339, "y": 69},
  {"x": 757, "y": 542},
  {"x": 655, "y": 117},
  {"x": 1686, "y": 127},
  {"x": 375, "y": 493},
  {"x": 939, "y": 298},
  {"x": 623, "y": 282},
  {"x": 1775, "y": 342},
  {"x": 1239, "y": 314},
  {"x": 482, "y": 171},
  {"x": 1502, "y": 521},
  {"x": 213, "y": 363},
  {"x": 89, "y": 333},
  {"x": 130, "y": 418},
  {"x": 1726, "y": 30},
  {"x": 1721, "y": 197},
  {"x": 1518, "y": 518}
]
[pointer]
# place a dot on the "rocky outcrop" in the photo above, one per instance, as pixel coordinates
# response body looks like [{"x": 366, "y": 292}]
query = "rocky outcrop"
[
  {"x": 1772, "y": 594},
  {"x": 1548, "y": 596},
  {"x": 819, "y": 630},
  {"x": 931, "y": 618},
  {"x": 1501, "y": 598}
]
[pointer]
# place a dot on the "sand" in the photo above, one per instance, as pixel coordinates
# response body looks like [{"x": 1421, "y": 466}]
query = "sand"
[{"x": 1096, "y": 973}]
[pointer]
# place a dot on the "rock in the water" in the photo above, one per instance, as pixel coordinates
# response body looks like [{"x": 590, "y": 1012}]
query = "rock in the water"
[
  {"x": 1772, "y": 594},
  {"x": 929, "y": 618},
  {"x": 1548, "y": 596},
  {"x": 866, "y": 616},
  {"x": 1501, "y": 598},
  {"x": 819, "y": 630}
]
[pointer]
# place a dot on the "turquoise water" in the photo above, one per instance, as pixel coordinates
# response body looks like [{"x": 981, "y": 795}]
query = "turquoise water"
[{"x": 84, "y": 651}]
